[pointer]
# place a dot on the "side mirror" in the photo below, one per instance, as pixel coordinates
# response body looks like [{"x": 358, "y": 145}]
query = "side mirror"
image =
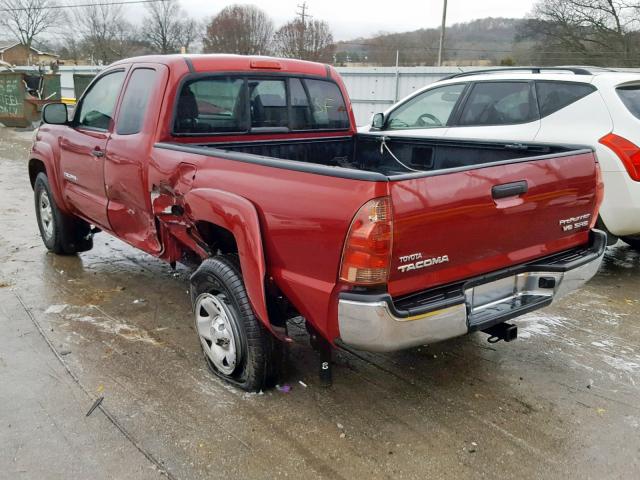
[
  {"x": 55, "y": 114},
  {"x": 377, "y": 121}
]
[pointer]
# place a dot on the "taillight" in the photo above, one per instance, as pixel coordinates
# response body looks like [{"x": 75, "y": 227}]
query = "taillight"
[
  {"x": 599, "y": 196},
  {"x": 626, "y": 151},
  {"x": 367, "y": 249}
]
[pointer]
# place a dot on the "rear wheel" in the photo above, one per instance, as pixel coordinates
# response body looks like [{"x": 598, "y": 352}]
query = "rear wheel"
[
  {"x": 236, "y": 346},
  {"x": 61, "y": 233},
  {"x": 633, "y": 242}
]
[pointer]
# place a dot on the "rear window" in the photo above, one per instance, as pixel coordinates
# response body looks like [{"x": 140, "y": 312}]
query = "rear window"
[
  {"x": 212, "y": 105},
  {"x": 499, "y": 103},
  {"x": 268, "y": 101},
  {"x": 630, "y": 96},
  {"x": 241, "y": 104},
  {"x": 553, "y": 96},
  {"x": 327, "y": 105}
]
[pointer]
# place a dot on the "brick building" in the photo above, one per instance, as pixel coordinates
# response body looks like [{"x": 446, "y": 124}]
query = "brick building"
[{"x": 16, "y": 53}]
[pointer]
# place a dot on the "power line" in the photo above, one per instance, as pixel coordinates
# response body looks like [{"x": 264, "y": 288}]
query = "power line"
[{"x": 80, "y": 5}]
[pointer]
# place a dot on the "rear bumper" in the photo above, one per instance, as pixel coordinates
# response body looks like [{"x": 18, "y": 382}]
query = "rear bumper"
[{"x": 376, "y": 323}]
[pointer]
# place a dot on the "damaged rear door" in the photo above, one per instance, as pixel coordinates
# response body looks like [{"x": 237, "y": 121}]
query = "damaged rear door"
[{"x": 130, "y": 146}]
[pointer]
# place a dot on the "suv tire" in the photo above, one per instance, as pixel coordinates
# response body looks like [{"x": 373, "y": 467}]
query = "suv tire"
[{"x": 633, "y": 242}]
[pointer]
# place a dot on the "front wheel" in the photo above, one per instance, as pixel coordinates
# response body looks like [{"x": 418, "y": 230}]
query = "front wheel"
[
  {"x": 236, "y": 346},
  {"x": 633, "y": 242},
  {"x": 61, "y": 233}
]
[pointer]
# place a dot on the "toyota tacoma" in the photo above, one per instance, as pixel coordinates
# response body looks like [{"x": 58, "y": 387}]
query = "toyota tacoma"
[{"x": 251, "y": 168}]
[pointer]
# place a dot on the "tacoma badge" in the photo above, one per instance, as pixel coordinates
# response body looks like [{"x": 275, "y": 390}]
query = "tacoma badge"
[{"x": 427, "y": 262}]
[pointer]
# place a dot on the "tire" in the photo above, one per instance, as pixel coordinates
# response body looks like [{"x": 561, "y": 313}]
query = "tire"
[
  {"x": 61, "y": 233},
  {"x": 633, "y": 242},
  {"x": 235, "y": 344}
]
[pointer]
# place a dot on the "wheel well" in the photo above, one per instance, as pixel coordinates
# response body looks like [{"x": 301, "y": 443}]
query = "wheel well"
[
  {"x": 35, "y": 167},
  {"x": 221, "y": 241},
  {"x": 218, "y": 238}
]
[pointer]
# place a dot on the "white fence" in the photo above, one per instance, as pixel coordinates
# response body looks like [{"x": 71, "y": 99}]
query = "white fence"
[
  {"x": 374, "y": 89},
  {"x": 66, "y": 77}
]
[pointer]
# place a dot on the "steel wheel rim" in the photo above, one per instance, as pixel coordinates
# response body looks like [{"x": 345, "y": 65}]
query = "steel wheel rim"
[
  {"x": 216, "y": 333},
  {"x": 46, "y": 214}
]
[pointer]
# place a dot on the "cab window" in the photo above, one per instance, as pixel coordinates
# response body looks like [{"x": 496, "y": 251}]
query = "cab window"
[
  {"x": 96, "y": 109},
  {"x": 135, "y": 101},
  {"x": 431, "y": 109}
]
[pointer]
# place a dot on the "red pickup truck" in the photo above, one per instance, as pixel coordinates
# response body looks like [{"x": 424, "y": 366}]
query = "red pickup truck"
[{"x": 251, "y": 168}]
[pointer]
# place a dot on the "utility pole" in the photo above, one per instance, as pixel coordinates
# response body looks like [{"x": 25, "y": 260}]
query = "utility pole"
[
  {"x": 302, "y": 13},
  {"x": 444, "y": 21},
  {"x": 397, "y": 74}
]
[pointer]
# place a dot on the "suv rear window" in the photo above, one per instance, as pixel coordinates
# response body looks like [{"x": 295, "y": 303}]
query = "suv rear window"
[
  {"x": 553, "y": 96},
  {"x": 499, "y": 103},
  {"x": 630, "y": 96},
  {"x": 240, "y": 104}
]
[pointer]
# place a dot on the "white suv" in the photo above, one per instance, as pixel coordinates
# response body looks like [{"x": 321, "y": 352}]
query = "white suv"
[{"x": 582, "y": 106}]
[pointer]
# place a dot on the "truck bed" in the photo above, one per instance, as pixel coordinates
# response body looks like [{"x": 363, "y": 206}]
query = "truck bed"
[{"x": 363, "y": 153}]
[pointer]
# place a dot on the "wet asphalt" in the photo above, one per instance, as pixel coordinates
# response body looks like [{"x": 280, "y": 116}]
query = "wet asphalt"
[{"x": 562, "y": 401}]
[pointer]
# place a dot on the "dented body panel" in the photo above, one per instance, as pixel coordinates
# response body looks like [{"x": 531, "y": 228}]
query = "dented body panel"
[{"x": 290, "y": 235}]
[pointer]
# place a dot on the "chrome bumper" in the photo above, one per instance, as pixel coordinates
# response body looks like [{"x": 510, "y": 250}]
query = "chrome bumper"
[{"x": 375, "y": 323}]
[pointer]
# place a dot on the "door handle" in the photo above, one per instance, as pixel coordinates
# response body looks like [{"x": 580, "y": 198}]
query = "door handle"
[
  {"x": 96, "y": 152},
  {"x": 512, "y": 189}
]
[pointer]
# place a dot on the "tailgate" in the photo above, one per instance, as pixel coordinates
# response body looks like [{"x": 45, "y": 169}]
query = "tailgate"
[{"x": 450, "y": 226}]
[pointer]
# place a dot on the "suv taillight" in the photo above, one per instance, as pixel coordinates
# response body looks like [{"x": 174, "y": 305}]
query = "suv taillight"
[
  {"x": 367, "y": 249},
  {"x": 626, "y": 151}
]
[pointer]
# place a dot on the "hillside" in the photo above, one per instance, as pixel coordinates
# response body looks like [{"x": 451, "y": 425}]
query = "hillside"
[{"x": 488, "y": 39}]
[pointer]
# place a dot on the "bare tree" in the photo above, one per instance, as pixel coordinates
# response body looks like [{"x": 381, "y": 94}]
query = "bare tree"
[
  {"x": 305, "y": 39},
  {"x": 243, "y": 29},
  {"x": 585, "y": 31},
  {"x": 105, "y": 32},
  {"x": 167, "y": 27},
  {"x": 27, "y": 19}
]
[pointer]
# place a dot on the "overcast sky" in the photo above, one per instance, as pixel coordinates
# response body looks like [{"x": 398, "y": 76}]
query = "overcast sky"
[{"x": 353, "y": 18}]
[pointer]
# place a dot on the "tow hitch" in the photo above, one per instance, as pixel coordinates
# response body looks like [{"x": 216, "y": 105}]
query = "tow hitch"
[{"x": 501, "y": 331}]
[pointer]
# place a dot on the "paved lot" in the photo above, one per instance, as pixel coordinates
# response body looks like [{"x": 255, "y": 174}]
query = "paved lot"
[{"x": 563, "y": 401}]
